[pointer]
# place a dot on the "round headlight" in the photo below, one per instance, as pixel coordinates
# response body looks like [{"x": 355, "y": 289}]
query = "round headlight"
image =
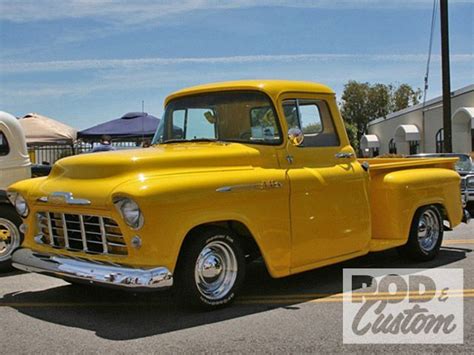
[
  {"x": 470, "y": 182},
  {"x": 19, "y": 202},
  {"x": 130, "y": 212}
]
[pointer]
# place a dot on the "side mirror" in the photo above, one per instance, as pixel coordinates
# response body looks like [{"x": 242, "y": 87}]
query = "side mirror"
[{"x": 295, "y": 136}]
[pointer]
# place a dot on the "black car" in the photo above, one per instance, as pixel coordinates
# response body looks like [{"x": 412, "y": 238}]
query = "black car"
[{"x": 464, "y": 167}]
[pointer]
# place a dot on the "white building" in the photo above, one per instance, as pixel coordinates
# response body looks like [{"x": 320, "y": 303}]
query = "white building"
[{"x": 419, "y": 129}]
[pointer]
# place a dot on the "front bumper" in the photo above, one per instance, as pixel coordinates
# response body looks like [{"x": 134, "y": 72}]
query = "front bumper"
[
  {"x": 92, "y": 272},
  {"x": 466, "y": 218}
]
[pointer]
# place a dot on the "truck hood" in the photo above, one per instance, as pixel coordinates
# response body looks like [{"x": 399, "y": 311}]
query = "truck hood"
[
  {"x": 162, "y": 159},
  {"x": 94, "y": 176}
]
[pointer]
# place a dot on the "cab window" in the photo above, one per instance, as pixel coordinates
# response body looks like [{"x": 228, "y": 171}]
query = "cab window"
[
  {"x": 4, "y": 147},
  {"x": 314, "y": 119}
]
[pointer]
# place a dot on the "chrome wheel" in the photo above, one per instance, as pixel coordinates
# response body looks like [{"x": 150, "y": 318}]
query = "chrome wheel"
[
  {"x": 216, "y": 270},
  {"x": 9, "y": 238},
  {"x": 428, "y": 230}
]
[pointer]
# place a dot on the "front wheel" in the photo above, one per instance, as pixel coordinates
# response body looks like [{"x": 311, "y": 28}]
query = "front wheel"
[
  {"x": 426, "y": 235},
  {"x": 10, "y": 236},
  {"x": 211, "y": 268}
]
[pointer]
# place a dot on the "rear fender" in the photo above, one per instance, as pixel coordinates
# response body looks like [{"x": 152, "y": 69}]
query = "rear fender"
[{"x": 396, "y": 195}]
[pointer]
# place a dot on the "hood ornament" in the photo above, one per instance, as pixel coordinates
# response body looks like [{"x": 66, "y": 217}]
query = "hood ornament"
[{"x": 58, "y": 198}]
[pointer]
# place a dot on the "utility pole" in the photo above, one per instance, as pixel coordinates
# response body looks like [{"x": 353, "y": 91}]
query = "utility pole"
[{"x": 448, "y": 139}]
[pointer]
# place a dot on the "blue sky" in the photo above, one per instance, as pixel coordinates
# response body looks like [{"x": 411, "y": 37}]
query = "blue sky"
[{"x": 87, "y": 61}]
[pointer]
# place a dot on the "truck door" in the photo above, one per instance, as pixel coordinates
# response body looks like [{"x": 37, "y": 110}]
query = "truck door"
[{"x": 329, "y": 202}]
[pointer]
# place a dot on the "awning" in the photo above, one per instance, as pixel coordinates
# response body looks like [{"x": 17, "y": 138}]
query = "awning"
[
  {"x": 44, "y": 130},
  {"x": 407, "y": 133},
  {"x": 129, "y": 126},
  {"x": 369, "y": 141},
  {"x": 464, "y": 114}
]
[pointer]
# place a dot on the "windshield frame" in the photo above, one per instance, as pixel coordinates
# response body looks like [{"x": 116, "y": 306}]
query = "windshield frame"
[{"x": 276, "y": 143}]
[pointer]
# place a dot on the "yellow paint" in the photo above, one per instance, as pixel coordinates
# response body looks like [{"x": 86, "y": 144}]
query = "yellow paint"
[{"x": 323, "y": 211}]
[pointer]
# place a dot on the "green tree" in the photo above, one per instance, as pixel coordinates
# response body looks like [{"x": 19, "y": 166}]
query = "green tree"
[
  {"x": 355, "y": 108},
  {"x": 405, "y": 96},
  {"x": 364, "y": 102},
  {"x": 351, "y": 130}
]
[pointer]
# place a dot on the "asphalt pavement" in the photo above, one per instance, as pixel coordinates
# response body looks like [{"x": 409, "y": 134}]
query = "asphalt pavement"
[{"x": 301, "y": 313}]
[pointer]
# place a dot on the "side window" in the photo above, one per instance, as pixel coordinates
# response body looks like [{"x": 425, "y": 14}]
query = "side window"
[
  {"x": 4, "y": 147},
  {"x": 178, "y": 124},
  {"x": 314, "y": 119}
]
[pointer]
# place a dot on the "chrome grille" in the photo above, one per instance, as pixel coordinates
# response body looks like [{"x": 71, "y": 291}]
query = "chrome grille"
[
  {"x": 90, "y": 234},
  {"x": 463, "y": 183}
]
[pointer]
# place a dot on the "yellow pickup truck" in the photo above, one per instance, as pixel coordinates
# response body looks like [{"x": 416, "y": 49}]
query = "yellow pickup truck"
[{"x": 237, "y": 170}]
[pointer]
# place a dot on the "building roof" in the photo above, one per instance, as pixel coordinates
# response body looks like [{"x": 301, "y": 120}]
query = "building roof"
[
  {"x": 432, "y": 102},
  {"x": 271, "y": 87}
]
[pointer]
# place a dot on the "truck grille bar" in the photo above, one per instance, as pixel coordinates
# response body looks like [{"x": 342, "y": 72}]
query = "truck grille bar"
[{"x": 90, "y": 234}]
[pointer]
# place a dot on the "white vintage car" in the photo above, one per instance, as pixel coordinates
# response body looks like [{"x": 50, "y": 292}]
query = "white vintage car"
[{"x": 15, "y": 165}]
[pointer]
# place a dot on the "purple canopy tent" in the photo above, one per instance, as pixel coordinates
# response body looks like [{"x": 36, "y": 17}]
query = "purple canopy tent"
[{"x": 131, "y": 126}]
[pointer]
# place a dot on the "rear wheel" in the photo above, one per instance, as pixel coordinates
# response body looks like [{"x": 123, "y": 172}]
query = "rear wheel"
[
  {"x": 10, "y": 236},
  {"x": 211, "y": 268},
  {"x": 426, "y": 235}
]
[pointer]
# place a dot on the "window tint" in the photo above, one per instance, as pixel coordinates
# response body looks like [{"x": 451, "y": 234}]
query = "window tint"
[
  {"x": 4, "y": 147},
  {"x": 314, "y": 119}
]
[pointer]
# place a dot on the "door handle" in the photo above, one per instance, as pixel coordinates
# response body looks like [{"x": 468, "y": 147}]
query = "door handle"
[{"x": 344, "y": 155}]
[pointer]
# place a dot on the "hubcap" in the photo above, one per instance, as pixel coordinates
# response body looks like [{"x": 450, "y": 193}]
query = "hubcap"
[
  {"x": 216, "y": 270},
  {"x": 9, "y": 238},
  {"x": 428, "y": 230}
]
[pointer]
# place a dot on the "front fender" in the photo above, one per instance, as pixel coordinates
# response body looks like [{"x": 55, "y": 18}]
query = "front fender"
[{"x": 173, "y": 205}]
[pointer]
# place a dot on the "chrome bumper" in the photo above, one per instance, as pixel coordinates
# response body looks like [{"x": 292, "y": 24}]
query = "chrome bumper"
[
  {"x": 92, "y": 272},
  {"x": 466, "y": 217}
]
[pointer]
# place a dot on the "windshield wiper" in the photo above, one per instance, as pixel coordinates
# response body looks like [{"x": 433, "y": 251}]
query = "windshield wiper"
[{"x": 189, "y": 140}]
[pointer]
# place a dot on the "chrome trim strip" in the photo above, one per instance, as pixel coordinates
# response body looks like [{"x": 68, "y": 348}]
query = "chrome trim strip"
[
  {"x": 103, "y": 235},
  {"x": 50, "y": 229},
  {"x": 92, "y": 272},
  {"x": 66, "y": 236},
  {"x": 83, "y": 233},
  {"x": 257, "y": 186}
]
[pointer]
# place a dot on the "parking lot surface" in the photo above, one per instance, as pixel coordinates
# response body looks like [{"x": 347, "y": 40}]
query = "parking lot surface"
[{"x": 302, "y": 313}]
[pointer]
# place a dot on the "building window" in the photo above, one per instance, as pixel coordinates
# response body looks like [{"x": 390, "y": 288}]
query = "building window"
[
  {"x": 440, "y": 141},
  {"x": 414, "y": 147},
  {"x": 392, "y": 147},
  {"x": 4, "y": 147},
  {"x": 472, "y": 140}
]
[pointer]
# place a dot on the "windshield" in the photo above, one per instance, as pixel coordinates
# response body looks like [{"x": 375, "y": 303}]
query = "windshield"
[{"x": 224, "y": 116}]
